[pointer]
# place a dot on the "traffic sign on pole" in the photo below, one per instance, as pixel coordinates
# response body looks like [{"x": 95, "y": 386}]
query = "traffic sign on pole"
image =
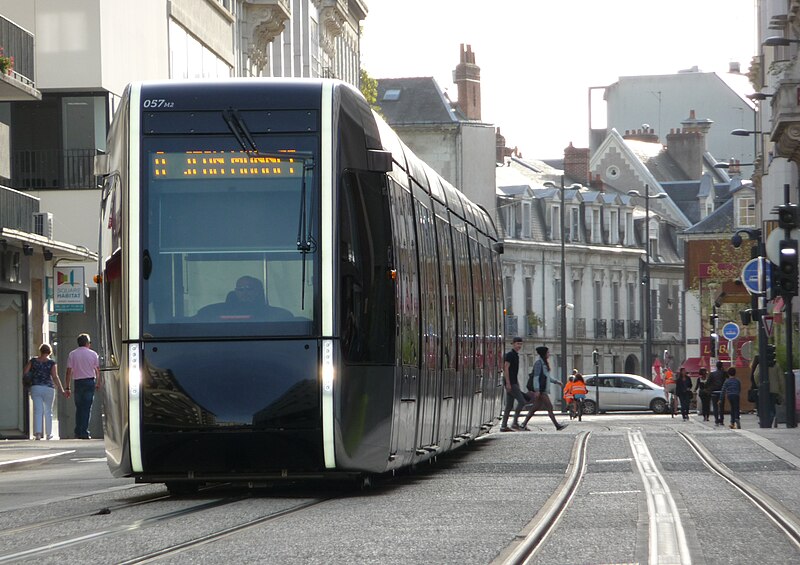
[{"x": 768, "y": 321}]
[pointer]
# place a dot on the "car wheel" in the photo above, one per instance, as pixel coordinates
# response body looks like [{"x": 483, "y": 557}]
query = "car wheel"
[
  {"x": 589, "y": 407},
  {"x": 659, "y": 406}
]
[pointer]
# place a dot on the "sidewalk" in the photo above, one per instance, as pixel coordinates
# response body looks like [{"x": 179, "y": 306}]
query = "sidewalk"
[{"x": 24, "y": 453}]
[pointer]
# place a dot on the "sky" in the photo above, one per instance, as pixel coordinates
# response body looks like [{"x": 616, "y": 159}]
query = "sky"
[{"x": 538, "y": 58}]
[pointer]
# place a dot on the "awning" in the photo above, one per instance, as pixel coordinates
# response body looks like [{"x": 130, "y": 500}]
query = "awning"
[
  {"x": 693, "y": 365},
  {"x": 41, "y": 244}
]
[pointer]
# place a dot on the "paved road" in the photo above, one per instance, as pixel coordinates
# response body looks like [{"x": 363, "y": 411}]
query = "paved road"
[{"x": 467, "y": 508}]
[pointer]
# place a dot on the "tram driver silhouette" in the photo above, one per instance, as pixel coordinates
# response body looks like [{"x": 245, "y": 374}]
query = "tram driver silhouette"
[{"x": 246, "y": 302}]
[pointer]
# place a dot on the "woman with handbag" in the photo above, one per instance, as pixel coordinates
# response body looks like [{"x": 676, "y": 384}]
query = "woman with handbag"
[{"x": 44, "y": 378}]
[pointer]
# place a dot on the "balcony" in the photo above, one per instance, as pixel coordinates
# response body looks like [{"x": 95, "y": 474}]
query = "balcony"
[
  {"x": 512, "y": 326},
  {"x": 634, "y": 329},
  {"x": 618, "y": 329},
  {"x": 658, "y": 329},
  {"x": 17, "y": 209},
  {"x": 17, "y": 83},
  {"x": 52, "y": 168},
  {"x": 600, "y": 329},
  {"x": 580, "y": 327}
]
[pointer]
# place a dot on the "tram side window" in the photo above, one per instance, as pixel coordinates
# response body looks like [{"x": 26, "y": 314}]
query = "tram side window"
[{"x": 366, "y": 307}]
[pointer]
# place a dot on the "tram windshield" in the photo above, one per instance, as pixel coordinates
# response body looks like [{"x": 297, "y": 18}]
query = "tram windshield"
[{"x": 229, "y": 237}]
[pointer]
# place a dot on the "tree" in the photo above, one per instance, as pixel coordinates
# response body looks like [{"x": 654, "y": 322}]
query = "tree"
[{"x": 369, "y": 88}]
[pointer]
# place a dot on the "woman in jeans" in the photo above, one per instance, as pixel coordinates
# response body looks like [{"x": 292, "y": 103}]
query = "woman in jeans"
[{"x": 44, "y": 378}]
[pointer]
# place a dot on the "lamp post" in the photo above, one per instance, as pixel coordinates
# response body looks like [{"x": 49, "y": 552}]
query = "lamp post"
[
  {"x": 646, "y": 278},
  {"x": 563, "y": 289}
]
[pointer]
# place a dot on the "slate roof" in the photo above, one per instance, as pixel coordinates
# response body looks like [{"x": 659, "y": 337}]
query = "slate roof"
[
  {"x": 719, "y": 221},
  {"x": 417, "y": 100}
]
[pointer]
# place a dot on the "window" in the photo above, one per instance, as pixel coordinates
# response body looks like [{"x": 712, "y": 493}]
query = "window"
[
  {"x": 598, "y": 300},
  {"x": 596, "y": 236},
  {"x": 575, "y": 226},
  {"x": 391, "y": 94},
  {"x": 745, "y": 212},
  {"x": 526, "y": 220},
  {"x": 555, "y": 221},
  {"x": 615, "y": 300},
  {"x": 613, "y": 228}
]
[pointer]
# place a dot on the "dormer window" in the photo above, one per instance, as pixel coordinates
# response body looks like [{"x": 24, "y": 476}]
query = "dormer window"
[
  {"x": 596, "y": 235},
  {"x": 574, "y": 225},
  {"x": 555, "y": 222},
  {"x": 613, "y": 227},
  {"x": 745, "y": 209},
  {"x": 526, "y": 220}
]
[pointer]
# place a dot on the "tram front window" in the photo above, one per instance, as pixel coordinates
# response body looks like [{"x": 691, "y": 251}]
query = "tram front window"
[{"x": 229, "y": 244}]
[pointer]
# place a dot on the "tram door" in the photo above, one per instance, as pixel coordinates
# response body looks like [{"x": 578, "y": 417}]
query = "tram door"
[
  {"x": 464, "y": 330},
  {"x": 447, "y": 396},
  {"x": 407, "y": 330},
  {"x": 429, "y": 374}
]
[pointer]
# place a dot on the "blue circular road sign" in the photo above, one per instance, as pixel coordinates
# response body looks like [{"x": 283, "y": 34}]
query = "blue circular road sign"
[{"x": 730, "y": 331}]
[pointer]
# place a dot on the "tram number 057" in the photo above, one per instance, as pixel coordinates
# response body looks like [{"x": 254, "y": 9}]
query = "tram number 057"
[{"x": 157, "y": 103}]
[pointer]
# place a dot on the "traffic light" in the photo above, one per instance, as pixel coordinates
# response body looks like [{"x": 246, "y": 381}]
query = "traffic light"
[
  {"x": 785, "y": 279},
  {"x": 771, "y": 359},
  {"x": 788, "y": 216},
  {"x": 714, "y": 344},
  {"x": 596, "y": 357}
]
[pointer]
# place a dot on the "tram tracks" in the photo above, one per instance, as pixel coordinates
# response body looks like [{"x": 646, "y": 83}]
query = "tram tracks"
[
  {"x": 666, "y": 540},
  {"x": 161, "y": 519},
  {"x": 786, "y": 521}
]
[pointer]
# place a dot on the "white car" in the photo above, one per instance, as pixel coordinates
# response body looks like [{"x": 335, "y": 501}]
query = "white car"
[{"x": 620, "y": 391}]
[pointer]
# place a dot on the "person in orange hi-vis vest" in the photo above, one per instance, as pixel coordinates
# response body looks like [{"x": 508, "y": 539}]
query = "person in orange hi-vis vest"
[
  {"x": 568, "y": 394},
  {"x": 669, "y": 387},
  {"x": 579, "y": 392}
]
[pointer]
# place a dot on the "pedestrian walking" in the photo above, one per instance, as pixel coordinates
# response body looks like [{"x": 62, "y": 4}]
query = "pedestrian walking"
[
  {"x": 83, "y": 367},
  {"x": 714, "y": 384},
  {"x": 704, "y": 393},
  {"x": 538, "y": 381},
  {"x": 44, "y": 380},
  {"x": 513, "y": 391},
  {"x": 683, "y": 390},
  {"x": 732, "y": 390}
]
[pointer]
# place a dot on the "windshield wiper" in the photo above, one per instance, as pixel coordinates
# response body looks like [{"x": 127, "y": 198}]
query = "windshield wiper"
[
  {"x": 305, "y": 244},
  {"x": 239, "y": 129}
]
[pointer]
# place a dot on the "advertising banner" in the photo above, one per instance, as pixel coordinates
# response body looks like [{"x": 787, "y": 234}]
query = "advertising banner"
[{"x": 69, "y": 290}]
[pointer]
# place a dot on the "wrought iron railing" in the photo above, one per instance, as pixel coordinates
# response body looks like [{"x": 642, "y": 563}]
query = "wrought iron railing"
[
  {"x": 512, "y": 326},
  {"x": 580, "y": 327},
  {"x": 52, "y": 168},
  {"x": 634, "y": 329},
  {"x": 657, "y": 329},
  {"x": 618, "y": 329},
  {"x": 600, "y": 329}
]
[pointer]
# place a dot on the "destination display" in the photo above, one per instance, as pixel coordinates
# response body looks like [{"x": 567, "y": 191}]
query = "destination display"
[{"x": 231, "y": 164}]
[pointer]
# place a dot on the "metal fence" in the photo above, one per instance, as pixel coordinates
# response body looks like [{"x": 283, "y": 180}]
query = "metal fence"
[
  {"x": 17, "y": 43},
  {"x": 17, "y": 209},
  {"x": 53, "y": 168}
]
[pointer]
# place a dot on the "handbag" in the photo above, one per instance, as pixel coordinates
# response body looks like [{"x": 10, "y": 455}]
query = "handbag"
[{"x": 27, "y": 378}]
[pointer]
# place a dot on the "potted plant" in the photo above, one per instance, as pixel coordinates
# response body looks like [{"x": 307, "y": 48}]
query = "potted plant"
[{"x": 6, "y": 63}]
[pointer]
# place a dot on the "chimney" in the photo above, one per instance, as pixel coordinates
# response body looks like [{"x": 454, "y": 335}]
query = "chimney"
[
  {"x": 687, "y": 145},
  {"x": 576, "y": 164},
  {"x": 500, "y": 146},
  {"x": 467, "y": 77},
  {"x": 645, "y": 133}
]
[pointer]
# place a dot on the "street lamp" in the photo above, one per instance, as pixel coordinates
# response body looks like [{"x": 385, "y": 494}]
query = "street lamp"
[
  {"x": 745, "y": 132},
  {"x": 758, "y": 313},
  {"x": 563, "y": 312},
  {"x": 734, "y": 165},
  {"x": 646, "y": 278},
  {"x": 759, "y": 96},
  {"x": 777, "y": 41}
]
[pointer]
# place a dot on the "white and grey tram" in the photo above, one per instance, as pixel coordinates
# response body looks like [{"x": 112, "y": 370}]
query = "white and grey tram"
[{"x": 371, "y": 337}]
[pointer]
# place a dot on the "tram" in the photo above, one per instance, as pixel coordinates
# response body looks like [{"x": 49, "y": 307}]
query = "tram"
[{"x": 286, "y": 290}]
